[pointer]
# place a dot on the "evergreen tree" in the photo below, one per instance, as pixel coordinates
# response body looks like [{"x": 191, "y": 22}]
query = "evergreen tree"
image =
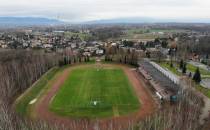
[
  {"x": 184, "y": 68},
  {"x": 181, "y": 65},
  {"x": 190, "y": 75},
  {"x": 171, "y": 64},
  {"x": 197, "y": 76},
  {"x": 148, "y": 54}
]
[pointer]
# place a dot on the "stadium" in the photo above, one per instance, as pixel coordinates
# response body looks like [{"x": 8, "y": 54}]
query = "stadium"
[{"x": 88, "y": 95}]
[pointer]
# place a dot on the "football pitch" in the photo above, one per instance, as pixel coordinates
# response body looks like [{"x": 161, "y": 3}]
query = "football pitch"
[{"x": 91, "y": 92}]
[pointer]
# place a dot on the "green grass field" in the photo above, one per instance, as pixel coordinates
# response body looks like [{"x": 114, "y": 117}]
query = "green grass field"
[
  {"x": 172, "y": 69},
  {"x": 109, "y": 87},
  {"x": 83, "y": 36},
  {"x": 193, "y": 68},
  {"x": 205, "y": 91},
  {"x": 147, "y": 34}
]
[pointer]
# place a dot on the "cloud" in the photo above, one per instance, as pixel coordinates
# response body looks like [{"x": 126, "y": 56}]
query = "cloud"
[{"x": 85, "y": 10}]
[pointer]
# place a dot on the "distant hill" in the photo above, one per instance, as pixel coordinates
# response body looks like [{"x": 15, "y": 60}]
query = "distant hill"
[
  {"x": 136, "y": 20},
  {"x": 27, "y": 21},
  {"x": 122, "y": 20},
  {"x": 38, "y": 21}
]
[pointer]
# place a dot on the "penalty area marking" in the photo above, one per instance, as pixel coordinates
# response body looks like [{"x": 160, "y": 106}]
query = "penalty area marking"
[{"x": 32, "y": 101}]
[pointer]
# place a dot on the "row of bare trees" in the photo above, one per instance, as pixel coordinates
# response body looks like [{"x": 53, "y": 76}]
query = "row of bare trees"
[
  {"x": 71, "y": 57},
  {"x": 18, "y": 70},
  {"x": 122, "y": 55},
  {"x": 182, "y": 116}
]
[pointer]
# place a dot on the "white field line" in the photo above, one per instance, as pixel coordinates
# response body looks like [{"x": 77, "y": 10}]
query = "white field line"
[{"x": 32, "y": 101}]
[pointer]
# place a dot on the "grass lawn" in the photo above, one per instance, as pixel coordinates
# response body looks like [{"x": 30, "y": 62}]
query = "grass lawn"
[
  {"x": 205, "y": 91},
  {"x": 92, "y": 61},
  {"x": 190, "y": 68},
  {"x": 193, "y": 68},
  {"x": 22, "y": 105},
  {"x": 168, "y": 30},
  {"x": 110, "y": 88},
  {"x": 172, "y": 69},
  {"x": 140, "y": 33},
  {"x": 83, "y": 36}
]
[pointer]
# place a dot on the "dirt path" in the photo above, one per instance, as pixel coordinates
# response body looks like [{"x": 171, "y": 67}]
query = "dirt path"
[{"x": 147, "y": 107}]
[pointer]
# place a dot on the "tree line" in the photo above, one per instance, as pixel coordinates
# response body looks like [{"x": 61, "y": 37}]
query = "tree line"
[
  {"x": 18, "y": 71},
  {"x": 122, "y": 55},
  {"x": 69, "y": 57}
]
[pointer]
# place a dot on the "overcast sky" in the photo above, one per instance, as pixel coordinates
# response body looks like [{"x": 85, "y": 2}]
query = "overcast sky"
[{"x": 86, "y": 10}]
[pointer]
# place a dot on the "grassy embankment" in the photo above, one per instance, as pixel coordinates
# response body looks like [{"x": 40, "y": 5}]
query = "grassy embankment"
[{"x": 22, "y": 104}]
